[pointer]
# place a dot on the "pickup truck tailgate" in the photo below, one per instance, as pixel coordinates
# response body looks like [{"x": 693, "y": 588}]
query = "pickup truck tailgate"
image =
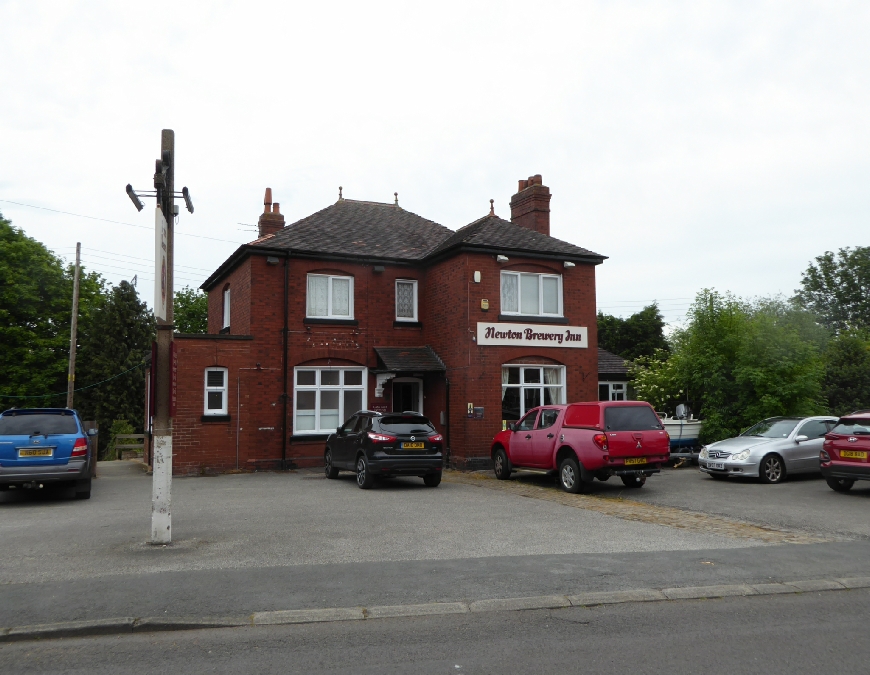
[{"x": 635, "y": 432}]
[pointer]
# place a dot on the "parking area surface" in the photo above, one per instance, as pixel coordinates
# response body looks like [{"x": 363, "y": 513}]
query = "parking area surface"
[
  {"x": 804, "y": 503},
  {"x": 277, "y": 541},
  {"x": 283, "y": 519}
]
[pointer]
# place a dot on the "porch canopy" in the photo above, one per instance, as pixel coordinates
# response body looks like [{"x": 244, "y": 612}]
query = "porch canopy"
[{"x": 409, "y": 359}]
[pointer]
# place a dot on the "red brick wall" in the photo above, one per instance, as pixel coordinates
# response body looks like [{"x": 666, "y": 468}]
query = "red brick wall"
[{"x": 449, "y": 309}]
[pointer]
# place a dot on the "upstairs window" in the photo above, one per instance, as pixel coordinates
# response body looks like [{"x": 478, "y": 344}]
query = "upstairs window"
[
  {"x": 226, "y": 312},
  {"x": 215, "y": 391},
  {"x": 330, "y": 297},
  {"x": 531, "y": 294},
  {"x": 406, "y": 300}
]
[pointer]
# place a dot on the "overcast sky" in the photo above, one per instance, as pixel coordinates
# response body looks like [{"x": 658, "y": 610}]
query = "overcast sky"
[{"x": 697, "y": 144}]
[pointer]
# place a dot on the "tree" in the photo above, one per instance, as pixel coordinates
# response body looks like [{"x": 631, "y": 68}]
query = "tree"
[
  {"x": 112, "y": 354},
  {"x": 735, "y": 363},
  {"x": 35, "y": 312},
  {"x": 847, "y": 373},
  {"x": 837, "y": 288},
  {"x": 639, "y": 335},
  {"x": 190, "y": 311}
]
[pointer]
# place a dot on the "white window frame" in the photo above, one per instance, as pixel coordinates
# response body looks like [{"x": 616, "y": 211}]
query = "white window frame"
[
  {"x": 541, "y": 278},
  {"x": 224, "y": 390},
  {"x": 329, "y": 314},
  {"x": 621, "y": 387},
  {"x": 319, "y": 388},
  {"x": 413, "y": 282},
  {"x": 226, "y": 312},
  {"x": 542, "y": 385}
]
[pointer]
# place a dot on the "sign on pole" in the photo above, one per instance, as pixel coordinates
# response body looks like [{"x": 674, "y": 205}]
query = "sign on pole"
[{"x": 161, "y": 264}]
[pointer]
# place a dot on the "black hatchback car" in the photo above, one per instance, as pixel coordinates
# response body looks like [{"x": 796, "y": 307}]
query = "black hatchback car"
[{"x": 376, "y": 445}]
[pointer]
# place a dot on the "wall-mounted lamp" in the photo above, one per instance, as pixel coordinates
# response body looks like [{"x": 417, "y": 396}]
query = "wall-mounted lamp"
[
  {"x": 476, "y": 277},
  {"x": 568, "y": 264},
  {"x": 502, "y": 258}
]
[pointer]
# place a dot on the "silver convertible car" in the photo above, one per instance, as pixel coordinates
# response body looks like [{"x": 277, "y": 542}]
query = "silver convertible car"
[{"x": 770, "y": 450}]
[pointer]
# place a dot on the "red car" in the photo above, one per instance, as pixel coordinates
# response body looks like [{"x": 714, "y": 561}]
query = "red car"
[
  {"x": 845, "y": 454},
  {"x": 584, "y": 441}
]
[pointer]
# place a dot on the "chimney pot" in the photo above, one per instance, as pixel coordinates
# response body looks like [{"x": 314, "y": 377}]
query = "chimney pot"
[
  {"x": 276, "y": 208},
  {"x": 523, "y": 185},
  {"x": 267, "y": 201}
]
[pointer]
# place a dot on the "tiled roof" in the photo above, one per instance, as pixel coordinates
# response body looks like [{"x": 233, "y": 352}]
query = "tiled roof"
[
  {"x": 611, "y": 363},
  {"x": 493, "y": 232},
  {"x": 414, "y": 359},
  {"x": 355, "y": 228}
]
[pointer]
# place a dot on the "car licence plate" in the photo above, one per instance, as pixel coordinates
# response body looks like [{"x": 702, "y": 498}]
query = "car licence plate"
[
  {"x": 34, "y": 452},
  {"x": 853, "y": 454},
  {"x": 716, "y": 465},
  {"x": 635, "y": 460},
  {"x": 413, "y": 446}
]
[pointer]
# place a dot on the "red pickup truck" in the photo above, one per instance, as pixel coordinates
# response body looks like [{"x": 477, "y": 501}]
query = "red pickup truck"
[{"x": 584, "y": 441}]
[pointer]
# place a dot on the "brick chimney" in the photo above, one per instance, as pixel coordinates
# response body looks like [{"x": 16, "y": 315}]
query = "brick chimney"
[
  {"x": 530, "y": 206},
  {"x": 271, "y": 221}
]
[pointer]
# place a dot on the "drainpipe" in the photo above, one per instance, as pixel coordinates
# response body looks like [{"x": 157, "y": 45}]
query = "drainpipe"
[
  {"x": 284, "y": 358},
  {"x": 447, "y": 412}
]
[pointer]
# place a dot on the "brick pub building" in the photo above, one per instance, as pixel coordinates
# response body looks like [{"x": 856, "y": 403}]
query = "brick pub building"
[{"x": 366, "y": 305}]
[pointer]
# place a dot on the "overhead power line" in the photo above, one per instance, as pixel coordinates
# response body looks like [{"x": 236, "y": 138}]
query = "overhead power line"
[
  {"x": 115, "y": 222},
  {"x": 90, "y": 386}
]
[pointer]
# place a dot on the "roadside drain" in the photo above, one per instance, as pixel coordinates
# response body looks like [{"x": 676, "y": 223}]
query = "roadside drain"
[{"x": 627, "y": 509}]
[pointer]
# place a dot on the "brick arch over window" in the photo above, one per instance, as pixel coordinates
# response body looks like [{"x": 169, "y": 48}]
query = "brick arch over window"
[
  {"x": 535, "y": 360},
  {"x": 331, "y": 362}
]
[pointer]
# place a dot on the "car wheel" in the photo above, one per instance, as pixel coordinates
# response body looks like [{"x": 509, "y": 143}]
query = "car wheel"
[
  {"x": 432, "y": 479},
  {"x": 772, "y": 469},
  {"x": 570, "y": 476},
  {"x": 501, "y": 465},
  {"x": 364, "y": 477},
  {"x": 840, "y": 484},
  {"x": 331, "y": 471},
  {"x": 633, "y": 481}
]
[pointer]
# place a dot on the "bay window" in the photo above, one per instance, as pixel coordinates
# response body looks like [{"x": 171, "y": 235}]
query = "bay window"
[
  {"x": 326, "y": 397},
  {"x": 531, "y": 294}
]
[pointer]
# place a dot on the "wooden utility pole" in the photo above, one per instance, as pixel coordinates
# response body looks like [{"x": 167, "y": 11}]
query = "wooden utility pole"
[
  {"x": 163, "y": 366},
  {"x": 161, "y": 492},
  {"x": 74, "y": 326}
]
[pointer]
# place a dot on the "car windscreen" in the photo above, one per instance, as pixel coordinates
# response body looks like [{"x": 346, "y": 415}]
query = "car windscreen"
[
  {"x": 406, "y": 424},
  {"x": 24, "y": 424},
  {"x": 630, "y": 418},
  {"x": 852, "y": 427},
  {"x": 774, "y": 428}
]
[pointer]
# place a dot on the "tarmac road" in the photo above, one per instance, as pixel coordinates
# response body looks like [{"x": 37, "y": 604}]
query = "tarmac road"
[{"x": 811, "y": 633}]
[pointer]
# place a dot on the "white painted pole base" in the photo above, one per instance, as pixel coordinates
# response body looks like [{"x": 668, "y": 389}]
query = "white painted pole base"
[{"x": 161, "y": 491}]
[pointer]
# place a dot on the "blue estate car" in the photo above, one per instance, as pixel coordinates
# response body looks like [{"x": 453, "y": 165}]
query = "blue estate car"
[{"x": 42, "y": 447}]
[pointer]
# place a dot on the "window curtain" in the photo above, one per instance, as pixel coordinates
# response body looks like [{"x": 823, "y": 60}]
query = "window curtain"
[
  {"x": 317, "y": 296},
  {"x": 553, "y": 376},
  {"x": 510, "y": 293}
]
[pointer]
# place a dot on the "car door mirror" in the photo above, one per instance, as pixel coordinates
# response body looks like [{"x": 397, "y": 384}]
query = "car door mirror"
[
  {"x": 339, "y": 431},
  {"x": 92, "y": 432},
  {"x": 801, "y": 438},
  {"x": 512, "y": 426}
]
